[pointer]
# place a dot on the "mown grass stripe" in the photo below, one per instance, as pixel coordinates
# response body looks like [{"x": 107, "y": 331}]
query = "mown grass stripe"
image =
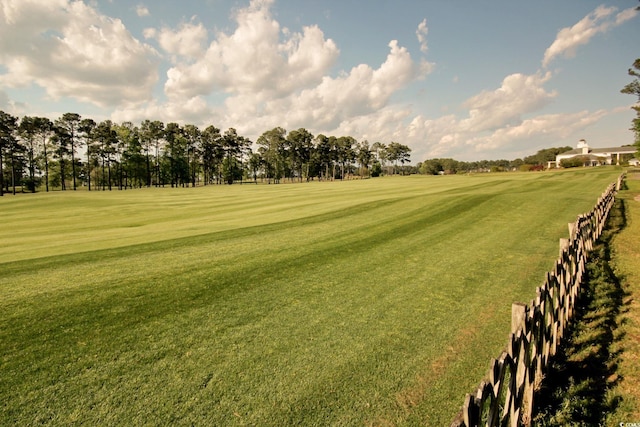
[{"x": 331, "y": 314}]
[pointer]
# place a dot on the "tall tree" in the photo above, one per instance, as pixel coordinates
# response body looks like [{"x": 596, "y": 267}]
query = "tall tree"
[
  {"x": 17, "y": 162},
  {"x": 380, "y": 151},
  {"x": 334, "y": 157},
  {"x": 8, "y": 125},
  {"x": 172, "y": 133},
  {"x": 633, "y": 88},
  {"x": 147, "y": 143},
  {"x": 271, "y": 149},
  {"x": 212, "y": 154},
  {"x": 107, "y": 139},
  {"x": 60, "y": 141},
  {"x": 255, "y": 162},
  {"x": 86, "y": 129},
  {"x": 128, "y": 154},
  {"x": 28, "y": 131},
  {"x": 364, "y": 157},
  {"x": 134, "y": 159},
  {"x": 300, "y": 145},
  {"x": 193, "y": 138},
  {"x": 345, "y": 153},
  {"x": 152, "y": 133},
  {"x": 325, "y": 155},
  {"x": 70, "y": 122},
  {"x": 44, "y": 131},
  {"x": 397, "y": 152},
  {"x": 235, "y": 146},
  {"x": 8, "y": 129}
]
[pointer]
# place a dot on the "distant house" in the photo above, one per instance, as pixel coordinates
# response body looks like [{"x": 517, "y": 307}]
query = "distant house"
[
  {"x": 634, "y": 162},
  {"x": 595, "y": 156}
]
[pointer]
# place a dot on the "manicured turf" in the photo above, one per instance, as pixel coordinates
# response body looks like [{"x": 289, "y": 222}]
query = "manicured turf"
[
  {"x": 345, "y": 303},
  {"x": 626, "y": 255}
]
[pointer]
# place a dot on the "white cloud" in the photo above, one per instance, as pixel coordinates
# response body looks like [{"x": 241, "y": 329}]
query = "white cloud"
[
  {"x": 71, "y": 50},
  {"x": 626, "y": 15},
  {"x": 518, "y": 95},
  {"x": 142, "y": 10},
  {"x": 421, "y": 33},
  {"x": 384, "y": 125},
  {"x": 598, "y": 21},
  {"x": 446, "y": 136},
  {"x": 194, "y": 110},
  {"x": 279, "y": 77},
  {"x": 361, "y": 91},
  {"x": 10, "y": 106},
  {"x": 150, "y": 33},
  {"x": 496, "y": 122},
  {"x": 187, "y": 41},
  {"x": 558, "y": 125},
  {"x": 253, "y": 59},
  {"x": 268, "y": 76}
]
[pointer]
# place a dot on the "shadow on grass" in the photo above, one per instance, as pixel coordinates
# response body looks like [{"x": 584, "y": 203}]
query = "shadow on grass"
[{"x": 576, "y": 388}]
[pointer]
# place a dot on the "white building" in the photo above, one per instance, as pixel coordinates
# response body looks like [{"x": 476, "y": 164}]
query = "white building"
[{"x": 595, "y": 156}]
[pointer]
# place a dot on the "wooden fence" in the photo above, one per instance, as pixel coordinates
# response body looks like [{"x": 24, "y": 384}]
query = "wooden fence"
[{"x": 505, "y": 396}]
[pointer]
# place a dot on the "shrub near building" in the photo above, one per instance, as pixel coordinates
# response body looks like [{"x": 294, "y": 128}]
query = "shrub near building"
[{"x": 574, "y": 162}]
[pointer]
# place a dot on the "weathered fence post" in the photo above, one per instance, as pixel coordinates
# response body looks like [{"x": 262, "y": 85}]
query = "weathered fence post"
[
  {"x": 572, "y": 229},
  {"x": 564, "y": 245},
  {"x": 517, "y": 316}
]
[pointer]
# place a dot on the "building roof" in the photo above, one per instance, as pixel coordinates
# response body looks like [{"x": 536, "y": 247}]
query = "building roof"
[
  {"x": 627, "y": 149},
  {"x": 571, "y": 152},
  {"x": 623, "y": 149}
]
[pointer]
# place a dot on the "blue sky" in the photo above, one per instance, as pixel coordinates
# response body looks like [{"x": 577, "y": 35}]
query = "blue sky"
[{"x": 469, "y": 80}]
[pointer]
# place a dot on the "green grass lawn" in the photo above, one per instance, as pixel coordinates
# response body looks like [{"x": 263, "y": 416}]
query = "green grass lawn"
[
  {"x": 626, "y": 255},
  {"x": 346, "y": 303}
]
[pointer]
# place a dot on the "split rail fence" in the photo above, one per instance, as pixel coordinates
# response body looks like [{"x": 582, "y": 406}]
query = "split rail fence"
[{"x": 505, "y": 396}]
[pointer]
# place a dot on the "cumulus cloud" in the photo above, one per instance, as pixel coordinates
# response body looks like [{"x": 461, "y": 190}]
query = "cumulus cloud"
[
  {"x": 193, "y": 110},
  {"x": 446, "y": 136},
  {"x": 519, "y": 94},
  {"x": 254, "y": 59},
  {"x": 600, "y": 20},
  {"x": 507, "y": 119},
  {"x": 278, "y": 77},
  {"x": 498, "y": 121},
  {"x": 271, "y": 76},
  {"x": 384, "y": 125},
  {"x": 188, "y": 41},
  {"x": 362, "y": 91},
  {"x": 71, "y": 50},
  {"x": 559, "y": 125},
  {"x": 263, "y": 75}
]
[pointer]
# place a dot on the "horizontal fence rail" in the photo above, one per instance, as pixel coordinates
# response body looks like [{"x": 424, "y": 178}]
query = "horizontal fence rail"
[{"x": 505, "y": 396}]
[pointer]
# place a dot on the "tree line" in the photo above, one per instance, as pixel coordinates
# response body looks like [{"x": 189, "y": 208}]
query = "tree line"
[
  {"x": 37, "y": 153},
  {"x": 534, "y": 162},
  {"x": 72, "y": 151}
]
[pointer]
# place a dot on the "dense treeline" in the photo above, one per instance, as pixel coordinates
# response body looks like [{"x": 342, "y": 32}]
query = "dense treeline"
[
  {"x": 535, "y": 162},
  {"x": 72, "y": 151}
]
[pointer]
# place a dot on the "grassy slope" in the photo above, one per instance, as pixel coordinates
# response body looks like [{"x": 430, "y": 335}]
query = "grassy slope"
[
  {"x": 376, "y": 301},
  {"x": 627, "y": 260},
  {"x": 594, "y": 378}
]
